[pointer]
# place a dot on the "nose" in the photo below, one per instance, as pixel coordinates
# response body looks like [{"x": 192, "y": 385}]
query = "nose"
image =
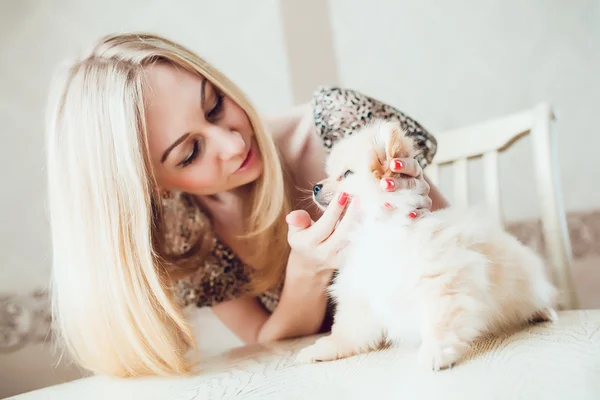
[
  {"x": 317, "y": 188},
  {"x": 231, "y": 144}
]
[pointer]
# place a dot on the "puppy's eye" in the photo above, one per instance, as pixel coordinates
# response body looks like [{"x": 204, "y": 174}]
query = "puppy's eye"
[{"x": 347, "y": 174}]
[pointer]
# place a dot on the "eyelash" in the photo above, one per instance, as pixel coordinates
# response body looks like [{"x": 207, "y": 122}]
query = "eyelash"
[
  {"x": 216, "y": 110},
  {"x": 189, "y": 159},
  {"x": 212, "y": 114}
]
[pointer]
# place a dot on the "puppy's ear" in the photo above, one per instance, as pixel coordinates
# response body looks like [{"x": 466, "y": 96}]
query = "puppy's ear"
[
  {"x": 398, "y": 145},
  {"x": 391, "y": 142},
  {"x": 377, "y": 164}
]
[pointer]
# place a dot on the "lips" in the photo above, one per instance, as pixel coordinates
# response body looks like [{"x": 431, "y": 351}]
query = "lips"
[{"x": 247, "y": 159}]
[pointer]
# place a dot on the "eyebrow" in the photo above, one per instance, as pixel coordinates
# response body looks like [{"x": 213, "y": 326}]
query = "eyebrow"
[
  {"x": 185, "y": 135},
  {"x": 171, "y": 147}
]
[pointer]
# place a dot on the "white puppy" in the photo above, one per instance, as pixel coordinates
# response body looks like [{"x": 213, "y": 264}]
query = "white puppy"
[{"x": 443, "y": 280}]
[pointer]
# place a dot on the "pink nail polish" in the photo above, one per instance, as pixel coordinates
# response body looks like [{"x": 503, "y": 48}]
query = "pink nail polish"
[
  {"x": 397, "y": 165},
  {"x": 387, "y": 184},
  {"x": 389, "y": 206},
  {"x": 343, "y": 199},
  {"x": 412, "y": 215}
]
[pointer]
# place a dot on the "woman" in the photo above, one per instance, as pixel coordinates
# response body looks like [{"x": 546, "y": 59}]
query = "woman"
[{"x": 166, "y": 188}]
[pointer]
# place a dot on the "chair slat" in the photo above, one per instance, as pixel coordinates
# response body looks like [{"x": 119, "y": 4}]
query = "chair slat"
[
  {"x": 554, "y": 224},
  {"x": 492, "y": 184},
  {"x": 489, "y": 138},
  {"x": 461, "y": 183},
  {"x": 473, "y": 142}
]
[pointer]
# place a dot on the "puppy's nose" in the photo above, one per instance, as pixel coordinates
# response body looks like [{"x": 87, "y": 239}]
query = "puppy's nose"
[{"x": 317, "y": 188}]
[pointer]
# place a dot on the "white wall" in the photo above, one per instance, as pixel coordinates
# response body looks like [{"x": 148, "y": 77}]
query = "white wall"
[
  {"x": 451, "y": 63},
  {"x": 244, "y": 39}
]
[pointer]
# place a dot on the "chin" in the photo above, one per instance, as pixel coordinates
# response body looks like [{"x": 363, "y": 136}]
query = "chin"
[
  {"x": 440, "y": 282},
  {"x": 252, "y": 174}
]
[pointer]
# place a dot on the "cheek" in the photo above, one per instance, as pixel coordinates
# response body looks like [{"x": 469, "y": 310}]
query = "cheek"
[
  {"x": 352, "y": 186},
  {"x": 198, "y": 179},
  {"x": 328, "y": 191},
  {"x": 237, "y": 118}
]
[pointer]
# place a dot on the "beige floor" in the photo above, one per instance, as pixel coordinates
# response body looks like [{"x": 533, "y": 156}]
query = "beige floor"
[{"x": 566, "y": 356}]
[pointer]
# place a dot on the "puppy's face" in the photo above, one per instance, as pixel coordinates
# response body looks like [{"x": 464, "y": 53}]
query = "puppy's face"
[{"x": 358, "y": 162}]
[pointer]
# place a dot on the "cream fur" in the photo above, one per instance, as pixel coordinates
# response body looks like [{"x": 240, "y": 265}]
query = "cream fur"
[{"x": 442, "y": 281}]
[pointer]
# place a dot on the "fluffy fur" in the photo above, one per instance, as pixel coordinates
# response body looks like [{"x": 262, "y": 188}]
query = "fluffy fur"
[{"x": 443, "y": 280}]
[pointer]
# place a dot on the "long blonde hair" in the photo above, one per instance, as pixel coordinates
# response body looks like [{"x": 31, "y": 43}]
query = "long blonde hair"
[{"x": 112, "y": 305}]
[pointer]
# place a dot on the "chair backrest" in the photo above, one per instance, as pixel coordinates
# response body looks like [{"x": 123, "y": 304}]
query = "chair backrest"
[{"x": 486, "y": 140}]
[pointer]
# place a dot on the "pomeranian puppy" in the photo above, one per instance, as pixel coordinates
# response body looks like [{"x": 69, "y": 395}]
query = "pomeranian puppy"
[{"x": 442, "y": 281}]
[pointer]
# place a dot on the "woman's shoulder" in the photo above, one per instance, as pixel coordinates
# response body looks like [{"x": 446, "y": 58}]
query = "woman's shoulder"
[{"x": 339, "y": 112}]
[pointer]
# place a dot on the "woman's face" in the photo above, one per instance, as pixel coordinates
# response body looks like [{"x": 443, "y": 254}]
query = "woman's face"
[{"x": 201, "y": 142}]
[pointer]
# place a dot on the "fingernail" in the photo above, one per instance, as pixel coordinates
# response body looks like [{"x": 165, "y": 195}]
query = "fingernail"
[
  {"x": 388, "y": 206},
  {"x": 412, "y": 215},
  {"x": 387, "y": 184},
  {"x": 397, "y": 165},
  {"x": 343, "y": 199}
]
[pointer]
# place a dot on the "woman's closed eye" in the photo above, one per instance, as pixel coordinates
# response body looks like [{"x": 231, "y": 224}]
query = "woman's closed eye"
[
  {"x": 215, "y": 111},
  {"x": 192, "y": 155}
]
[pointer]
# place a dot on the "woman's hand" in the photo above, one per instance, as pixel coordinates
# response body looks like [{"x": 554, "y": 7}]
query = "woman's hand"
[
  {"x": 409, "y": 175},
  {"x": 319, "y": 243},
  {"x": 315, "y": 247}
]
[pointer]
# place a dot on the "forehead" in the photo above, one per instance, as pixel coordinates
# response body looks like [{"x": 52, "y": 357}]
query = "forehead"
[
  {"x": 171, "y": 101},
  {"x": 167, "y": 88},
  {"x": 349, "y": 153}
]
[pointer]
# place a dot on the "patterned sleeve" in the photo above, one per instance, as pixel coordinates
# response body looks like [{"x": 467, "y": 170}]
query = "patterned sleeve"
[
  {"x": 217, "y": 273},
  {"x": 339, "y": 112},
  {"x": 221, "y": 277}
]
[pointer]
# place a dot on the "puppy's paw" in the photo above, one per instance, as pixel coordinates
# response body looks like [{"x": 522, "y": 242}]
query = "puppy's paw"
[
  {"x": 324, "y": 349},
  {"x": 438, "y": 356},
  {"x": 544, "y": 315},
  {"x": 321, "y": 350}
]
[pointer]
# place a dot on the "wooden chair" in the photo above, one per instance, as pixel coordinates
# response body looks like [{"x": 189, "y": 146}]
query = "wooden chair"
[{"x": 487, "y": 140}]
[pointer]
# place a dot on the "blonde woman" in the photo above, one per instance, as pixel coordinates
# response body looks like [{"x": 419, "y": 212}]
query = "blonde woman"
[{"x": 166, "y": 189}]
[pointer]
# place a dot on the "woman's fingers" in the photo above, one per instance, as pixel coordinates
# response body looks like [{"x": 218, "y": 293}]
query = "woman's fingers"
[
  {"x": 411, "y": 176},
  {"x": 406, "y": 166},
  {"x": 424, "y": 202},
  {"x": 393, "y": 184},
  {"x": 298, "y": 220},
  {"x": 307, "y": 237},
  {"x": 416, "y": 214},
  {"x": 325, "y": 225},
  {"x": 348, "y": 220},
  {"x": 339, "y": 238}
]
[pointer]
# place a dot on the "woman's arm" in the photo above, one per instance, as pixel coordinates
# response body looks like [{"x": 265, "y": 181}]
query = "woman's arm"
[
  {"x": 300, "y": 312},
  {"x": 303, "y": 303},
  {"x": 315, "y": 250}
]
